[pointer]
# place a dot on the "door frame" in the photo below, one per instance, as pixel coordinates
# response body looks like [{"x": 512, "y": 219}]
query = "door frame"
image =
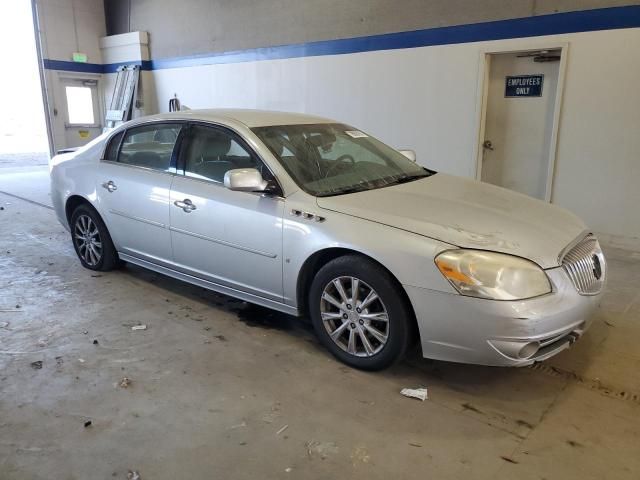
[
  {"x": 484, "y": 69},
  {"x": 43, "y": 78}
]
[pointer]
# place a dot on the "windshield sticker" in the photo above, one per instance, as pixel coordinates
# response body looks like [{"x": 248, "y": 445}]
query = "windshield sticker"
[{"x": 356, "y": 134}]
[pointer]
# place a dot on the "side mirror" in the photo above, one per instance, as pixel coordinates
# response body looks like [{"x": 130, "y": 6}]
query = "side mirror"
[
  {"x": 410, "y": 154},
  {"x": 245, "y": 180}
]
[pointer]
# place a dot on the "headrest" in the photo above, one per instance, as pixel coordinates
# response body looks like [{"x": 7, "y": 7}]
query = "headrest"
[
  {"x": 275, "y": 144},
  {"x": 216, "y": 145},
  {"x": 165, "y": 135},
  {"x": 323, "y": 140}
]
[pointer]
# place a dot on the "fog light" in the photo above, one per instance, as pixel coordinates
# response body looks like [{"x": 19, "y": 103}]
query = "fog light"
[{"x": 528, "y": 350}]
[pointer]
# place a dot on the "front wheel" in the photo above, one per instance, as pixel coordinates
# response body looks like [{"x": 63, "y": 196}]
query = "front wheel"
[{"x": 358, "y": 313}]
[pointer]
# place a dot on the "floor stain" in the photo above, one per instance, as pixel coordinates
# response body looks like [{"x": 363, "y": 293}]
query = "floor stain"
[
  {"x": 468, "y": 406},
  {"x": 524, "y": 423},
  {"x": 261, "y": 317}
]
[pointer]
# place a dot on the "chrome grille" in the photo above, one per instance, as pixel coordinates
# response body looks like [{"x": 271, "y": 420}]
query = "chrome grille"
[{"x": 585, "y": 265}]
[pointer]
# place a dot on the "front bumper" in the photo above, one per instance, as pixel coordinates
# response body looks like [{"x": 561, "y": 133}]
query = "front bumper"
[{"x": 502, "y": 333}]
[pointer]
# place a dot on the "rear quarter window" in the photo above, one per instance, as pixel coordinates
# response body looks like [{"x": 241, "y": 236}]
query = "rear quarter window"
[{"x": 111, "y": 152}]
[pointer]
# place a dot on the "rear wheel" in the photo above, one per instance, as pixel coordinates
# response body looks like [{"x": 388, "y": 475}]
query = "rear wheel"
[
  {"x": 358, "y": 313},
  {"x": 91, "y": 240}
]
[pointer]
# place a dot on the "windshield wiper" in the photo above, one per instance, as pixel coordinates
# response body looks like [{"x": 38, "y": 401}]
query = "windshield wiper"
[
  {"x": 343, "y": 191},
  {"x": 406, "y": 179}
]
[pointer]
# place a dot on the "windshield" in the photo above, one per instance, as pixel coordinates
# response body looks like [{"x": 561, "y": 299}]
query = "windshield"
[{"x": 331, "y": 159}]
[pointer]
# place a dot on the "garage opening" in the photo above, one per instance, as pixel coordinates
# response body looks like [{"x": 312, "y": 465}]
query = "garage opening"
[
  {"x": 23, "y": 132},
  {"x": 518, "y": 145}
]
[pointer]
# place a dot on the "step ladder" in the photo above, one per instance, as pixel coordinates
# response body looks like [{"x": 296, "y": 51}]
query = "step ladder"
[{"x": 124, "y": 91}]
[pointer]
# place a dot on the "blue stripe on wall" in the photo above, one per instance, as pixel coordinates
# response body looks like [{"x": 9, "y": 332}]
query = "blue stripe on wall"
[
  {"x": 72, "y": 66},
  {"x": 558, "y": 23}
]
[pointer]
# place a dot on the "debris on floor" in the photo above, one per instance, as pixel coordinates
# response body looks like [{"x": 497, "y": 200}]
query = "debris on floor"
[
  {"x": 288, "y": 469},
  {"x": 273, "y": 415},
  {"x": 37, "y": 365},
  {"x": 88, "y": 423},
  {"x": 133, "y": 475},
  {"x": 282, "y": 429},
  {"x": 508, "y": 459},
  {"x": 125, "y": 382},
  {"x": 95, "y": 342},
  {"x": 139, "y": 327},
  {"x": 239, "y": 425},
  {"x": 321, "y": 449},
  {"x": 4, "y": 324},
  {"x": 419, "y": 393},
  {"x": 81, "y": 360}
]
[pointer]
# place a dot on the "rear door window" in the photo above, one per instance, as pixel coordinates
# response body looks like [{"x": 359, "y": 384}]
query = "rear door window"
[{"x": 149, "y": 146}]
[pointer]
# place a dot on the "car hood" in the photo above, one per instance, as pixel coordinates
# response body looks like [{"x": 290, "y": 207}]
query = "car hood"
[{"x": 468, "y": 214}]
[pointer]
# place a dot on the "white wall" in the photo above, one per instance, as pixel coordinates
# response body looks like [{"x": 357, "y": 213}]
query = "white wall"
[
  {"x": 69, "y": 26},
  {"x": 427, "y": 99}
]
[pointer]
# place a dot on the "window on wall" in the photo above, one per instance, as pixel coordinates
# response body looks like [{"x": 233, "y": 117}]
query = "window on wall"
[{"x": 80, "y": 105}]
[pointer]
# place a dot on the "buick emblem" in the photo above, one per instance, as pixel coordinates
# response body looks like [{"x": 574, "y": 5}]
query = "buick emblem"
[{"x": 597, "y": 268}]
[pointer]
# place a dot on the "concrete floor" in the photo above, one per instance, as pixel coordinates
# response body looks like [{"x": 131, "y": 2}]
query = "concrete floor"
[{"x": 223, "y": 389}]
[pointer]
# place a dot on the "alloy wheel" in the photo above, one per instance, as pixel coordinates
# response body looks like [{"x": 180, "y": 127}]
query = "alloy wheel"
[
  {"x": 87, "y": 239},
  {"x": 354, "y": 316}
]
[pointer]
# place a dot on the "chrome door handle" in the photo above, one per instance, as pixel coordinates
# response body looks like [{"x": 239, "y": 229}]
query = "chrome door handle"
[
  {"x": 109, "y": 186},
  {"x": 186, "y": 205}
]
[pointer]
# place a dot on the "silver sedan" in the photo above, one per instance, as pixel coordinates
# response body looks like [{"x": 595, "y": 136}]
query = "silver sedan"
[{"x": 316, "y": 218}]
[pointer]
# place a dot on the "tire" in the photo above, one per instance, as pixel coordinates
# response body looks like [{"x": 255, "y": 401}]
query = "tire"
[
  {"x": 364, "y": 340},
  {"x": 86, "y": 225}
]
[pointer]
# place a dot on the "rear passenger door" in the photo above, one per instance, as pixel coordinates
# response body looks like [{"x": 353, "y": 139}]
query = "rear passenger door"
[
  {"x": 231, "y": 238},
  {"x": 133, "y": 190}
]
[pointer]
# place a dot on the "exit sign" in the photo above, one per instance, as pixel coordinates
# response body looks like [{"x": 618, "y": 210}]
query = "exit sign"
[
  {"x": 523, "y": 86},
  {"x": 79, "y": 57}
]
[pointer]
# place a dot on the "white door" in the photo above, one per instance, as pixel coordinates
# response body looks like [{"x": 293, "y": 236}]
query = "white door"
[
  {"x": 227, "y": 237},
  {"x": 520, "y": 110},
  {"x": 82, "y": 111}
]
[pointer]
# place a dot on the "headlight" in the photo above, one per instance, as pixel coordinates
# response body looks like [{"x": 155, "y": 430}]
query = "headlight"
[{"x": 497, "y": 276}]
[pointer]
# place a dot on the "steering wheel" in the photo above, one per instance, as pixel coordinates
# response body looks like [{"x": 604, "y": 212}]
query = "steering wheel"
[{"x": 340, "y": 162}]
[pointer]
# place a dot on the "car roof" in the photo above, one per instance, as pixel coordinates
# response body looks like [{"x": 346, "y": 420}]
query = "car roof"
[{"x": 250, "y": 118}]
